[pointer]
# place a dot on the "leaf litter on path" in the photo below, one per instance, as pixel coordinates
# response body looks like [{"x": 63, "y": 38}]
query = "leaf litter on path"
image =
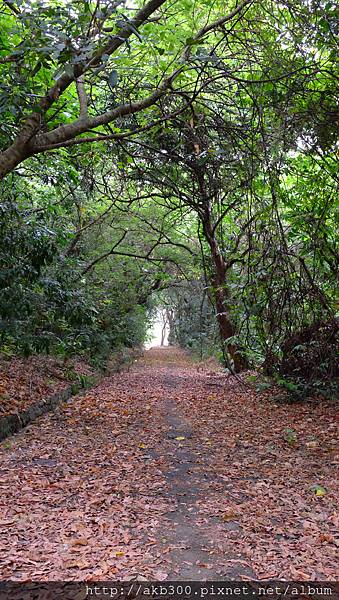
[{"x": 95, "y": 489}]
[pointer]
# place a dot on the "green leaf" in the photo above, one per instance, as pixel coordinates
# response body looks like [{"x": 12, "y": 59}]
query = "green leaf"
[{"x": 319, "y": 490}]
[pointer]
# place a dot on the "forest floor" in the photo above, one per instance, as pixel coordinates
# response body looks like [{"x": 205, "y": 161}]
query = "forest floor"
[
  {"x": 171, "y": 472},
  {"x": 37, "y": 377}
]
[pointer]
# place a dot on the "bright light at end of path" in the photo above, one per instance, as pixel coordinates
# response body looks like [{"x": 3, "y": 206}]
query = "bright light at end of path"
[{"x": 158, "y": 332}]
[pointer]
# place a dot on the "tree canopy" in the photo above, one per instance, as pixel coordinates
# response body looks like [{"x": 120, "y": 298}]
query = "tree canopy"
[{"x": 182, "y": 153}]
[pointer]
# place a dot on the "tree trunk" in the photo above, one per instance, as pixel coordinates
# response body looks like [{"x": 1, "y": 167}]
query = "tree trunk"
[
  {"x": 226, "y": 327},
  {"x": 164, "y": 326}
]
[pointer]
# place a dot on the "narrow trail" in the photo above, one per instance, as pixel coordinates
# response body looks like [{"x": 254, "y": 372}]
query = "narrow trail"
[{"x": 165, "y": 472}]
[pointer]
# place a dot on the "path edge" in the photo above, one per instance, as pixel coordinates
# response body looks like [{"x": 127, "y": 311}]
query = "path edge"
[{"x": 15, "y": 422}]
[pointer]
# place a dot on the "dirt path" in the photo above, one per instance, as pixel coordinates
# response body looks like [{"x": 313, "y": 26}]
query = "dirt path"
[{"x": 165, "y": 472}]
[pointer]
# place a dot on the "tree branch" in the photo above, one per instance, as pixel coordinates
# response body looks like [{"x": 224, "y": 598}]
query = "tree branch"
[
  {"x": 105, "y": 255},
  {"x": 82, "y": 96},
  {"x": 12, "y": 7},
  {"x": 40, "y": 147},
  {"x": 57, "y": 137},
  {"x": 28, "y": 142},
  {"x": 216, "y": 24},
  {"x": 18, "y": 150},
  {"x": 9, "y": 58}
]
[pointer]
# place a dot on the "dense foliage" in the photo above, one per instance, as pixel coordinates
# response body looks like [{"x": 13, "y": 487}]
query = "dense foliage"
[
  {"x": 182, "y": 148},
  {"x": 47, "y": 303}
]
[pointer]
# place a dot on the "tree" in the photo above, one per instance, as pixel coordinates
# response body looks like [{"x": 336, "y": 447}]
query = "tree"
[
  {"x": 211, "y": 158},
  {"x": 76, "y": 46},
  {"x": 172, "y": 155}
]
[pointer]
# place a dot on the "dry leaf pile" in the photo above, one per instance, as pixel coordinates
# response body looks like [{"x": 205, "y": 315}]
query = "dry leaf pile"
[{"x": 27, "y": 380}]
